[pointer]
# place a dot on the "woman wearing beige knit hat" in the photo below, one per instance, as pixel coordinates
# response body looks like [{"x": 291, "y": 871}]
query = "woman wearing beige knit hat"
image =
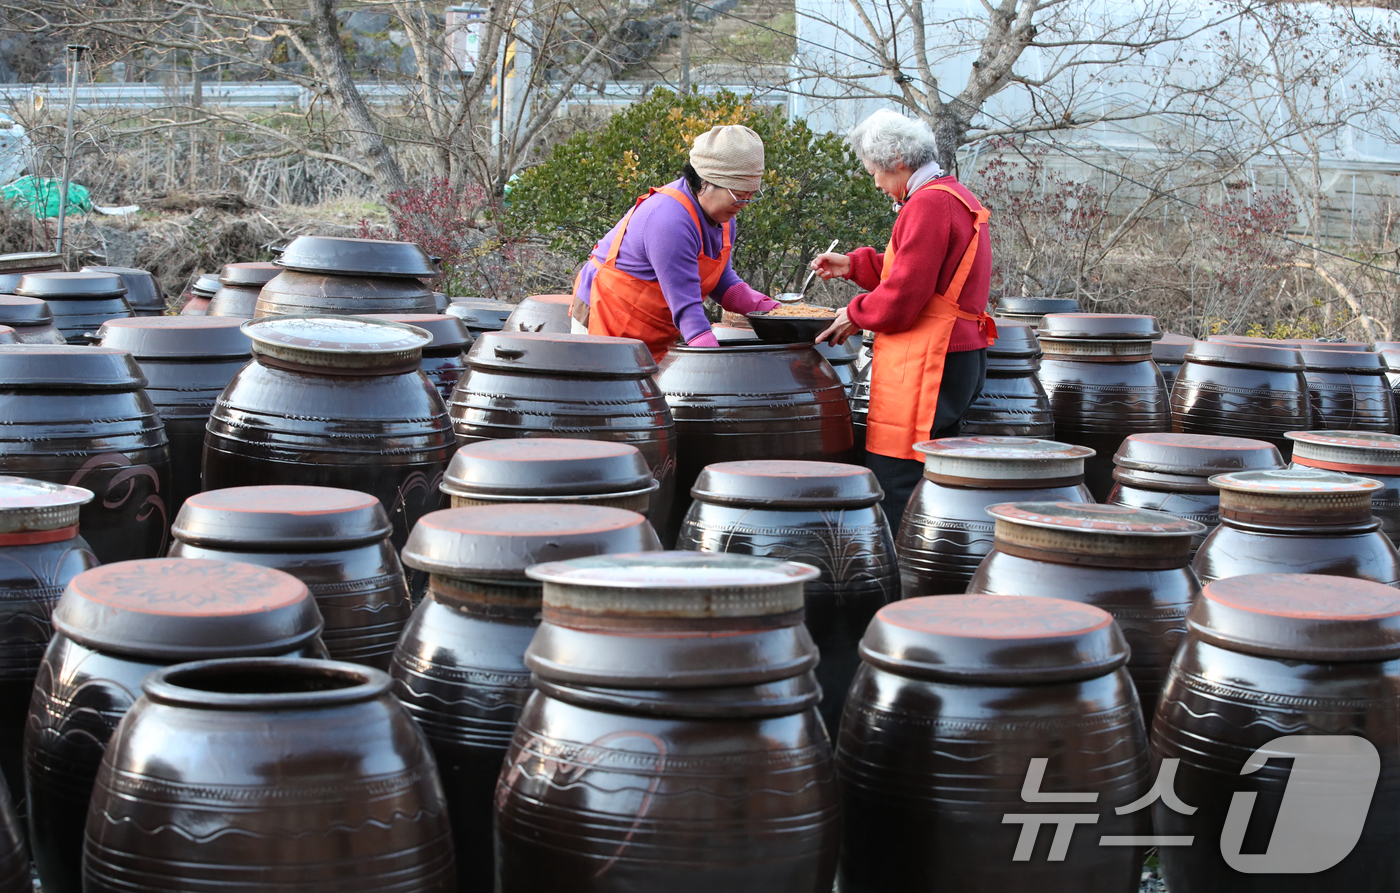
[{"x": 649, "y": 276}]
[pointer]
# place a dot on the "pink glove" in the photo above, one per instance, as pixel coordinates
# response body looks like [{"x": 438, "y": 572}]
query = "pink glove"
[
  {"x": 704, "y": 339},
  {"x": 742, "y": 298}
]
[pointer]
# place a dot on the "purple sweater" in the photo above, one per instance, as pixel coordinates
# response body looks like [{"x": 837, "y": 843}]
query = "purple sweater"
[{"x": 662, "y": 245}]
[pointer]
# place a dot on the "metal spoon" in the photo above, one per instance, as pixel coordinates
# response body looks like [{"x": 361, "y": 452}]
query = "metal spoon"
[{"x": 792, "y": 297}]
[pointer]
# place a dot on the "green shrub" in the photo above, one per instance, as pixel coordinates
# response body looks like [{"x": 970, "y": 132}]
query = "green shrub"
[{"x": 814, "y": 188}]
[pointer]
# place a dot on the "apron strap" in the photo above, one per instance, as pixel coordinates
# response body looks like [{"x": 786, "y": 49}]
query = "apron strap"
[{"x": 985, "y": 324}]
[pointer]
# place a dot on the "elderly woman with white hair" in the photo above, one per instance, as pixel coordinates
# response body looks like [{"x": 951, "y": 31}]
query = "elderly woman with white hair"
[{"x": 926, "y": 302}]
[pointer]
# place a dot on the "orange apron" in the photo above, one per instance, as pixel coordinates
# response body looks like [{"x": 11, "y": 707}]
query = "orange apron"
[
  {"x": 622, "y": 305},
  {"x": 907, "y": 371}
]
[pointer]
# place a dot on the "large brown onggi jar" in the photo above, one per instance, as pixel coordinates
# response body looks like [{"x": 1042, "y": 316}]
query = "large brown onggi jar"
[
  {"x": 334, "y": 402},
  {"x": 751, "y": 401},
  {"x": 525, "y": 384},
  {"x": 481, "y": 314},
  {"x": 201, "y": 294},
  {"x": 79, "y": 416},
  {"x": 142, "y": 291},
  {"x": 40, "y": 552},
  {"x": 31, "y": 320},
  {"x": 1368, "y": 454},
  {"x": 541, "y": 313},
  {"x": 1171, "y": 473},
  {"x": 1169, "y": 352},
  {"x": 1102, "y": 384},
  {"x": 963, "y": 703},
  {"x": 460, "y": 666},
  {"x": 1032, "y": 310},
  {"x": 333, "y": 275},
  {"x": 1133, "y": 563},
  {"x": 1280, "y": 717},
  {"x": 1348, "y": 390},
  {"x": 1242, "y": 389},
  {"x": 674, "y": 690},
  {"x": 79, "y": 302},
  {"x": 114, "y": 625},
  {"x": 1013, "y": 403},
  {"x": 1297, "y": 521},
  {"x": 947, "y": 532},
  {"x": 823, "y": 514},
  {"x": 550, "y": 470},
  {"x": 445, "y": 357},
  {"x": 335, "y": 541},
  {"x": 259, "y": 774},
  {"x": 239, "y": 287},
  {"x": 187, "y": 361}
]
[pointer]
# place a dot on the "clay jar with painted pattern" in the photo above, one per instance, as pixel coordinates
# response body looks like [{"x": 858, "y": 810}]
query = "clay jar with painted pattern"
[
  {"x": 1133, "y": 563},
  {"x": 1102, "y": 384},
  {"x": 1348, "y": 389},
  {"x": 334, "y": 401},
  {"x": 80, "y": 416},
  {"x": 1242, "y": 389},
  {"x": 1368, "y": 454},
  {"x": 1169, "y": 352},
  {"x": 1297, "y": 521},
  {"x": 116, "y": 624},
  {"x": 445, "y": 357},
  {"x": 460, "y": 666},
  {"x": 335, "y": 541},
  {"x": 672, "y": 742},
  {"x": 1282, "y": 708},
  {"x": 824, "y": 514},
  {"x": 947, "y": 532},
  {"x": 247, "y": 775},
  {"x": 1013, "y": 402},
  {"x": 957, "y": 702},
  {"x": 540, "y": 470}
]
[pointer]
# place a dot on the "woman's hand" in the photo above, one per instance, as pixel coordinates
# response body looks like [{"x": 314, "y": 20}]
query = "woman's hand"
[
  {"x": 840, "y": 329},
  {"x": 831, "y": 265}
]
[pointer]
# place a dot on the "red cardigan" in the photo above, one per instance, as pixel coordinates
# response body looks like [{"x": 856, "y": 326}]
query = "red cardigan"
[{"x": 930, "y": 235}]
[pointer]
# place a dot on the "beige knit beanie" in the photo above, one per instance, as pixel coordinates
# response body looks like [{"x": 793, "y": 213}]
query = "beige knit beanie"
[{"x": 730, "y": 156}]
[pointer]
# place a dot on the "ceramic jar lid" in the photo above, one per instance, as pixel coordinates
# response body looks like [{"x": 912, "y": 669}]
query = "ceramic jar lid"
[
  {"x": 991, "y": 462},
  {"x": 450, "y": 335},
  {"x": 1037, "y": 306},
  {"x": 250, "y": 275},
  {"x": 481, "y": 313},
  {"x": 1185, "y": 462},
  {"x": 175, "y": 609},
  {"x": 68, "y": 366},
  {"x": 37, "y": 511},
  {"x": 356, "y": 257},
  {"x": 498, "y": 542},
  {"x": 1352, "y": 452},
  {"x": 842, "y": 354},
  {"x": 281, "y": 518},
  {"x": 1251, "y": 356},
  {"x": 994, "y": 639},
  {"x": 772, "y": 483},
  {"x": 141, "y": 288},
  {"x": 1015, "y": 339},
  {"x": 592, "y": 356},
  {"x": 177, "y": 337},
  {"x": 30, "y": 260},
  {"x": 1100, "y": 326},
  {"x": 542, "y": 469},
  {"x": 1325, "y": 359},
  {"x": 1295, "y": 498},
  {"x": 206, "y": 285},
  {"x": 70, "y": 286},
  {"x": 24, "y": 312},
  {"x": 1095, "y": 535},
  {"x": 1299, "y": 616},
  {"x": 1171, "y": 348},
  {"x": 337, "y": 342}
]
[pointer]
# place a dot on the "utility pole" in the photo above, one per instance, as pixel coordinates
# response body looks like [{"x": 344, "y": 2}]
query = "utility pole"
[
  {"x": 687, "y": 10},
  {"x": 196, "y": 101},
  {"x": 77, "y": 50}
]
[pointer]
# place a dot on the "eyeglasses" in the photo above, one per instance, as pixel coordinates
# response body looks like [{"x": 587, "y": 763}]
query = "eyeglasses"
[{"x": 741, "y": 202}]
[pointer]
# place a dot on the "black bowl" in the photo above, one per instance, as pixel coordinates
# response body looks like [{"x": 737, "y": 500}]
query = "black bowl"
[{"x": 788, "y": 329}]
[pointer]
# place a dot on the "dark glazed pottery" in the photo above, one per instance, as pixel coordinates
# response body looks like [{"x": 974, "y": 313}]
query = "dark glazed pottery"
[
  {"x": 958, "y": 700},
  {"x": 7, "y": 335},
  {"x": 15, "y": 875},
  {"x": 1171, "y": 473},
  {"x": 1169, "y": 352},
  {"x": 672, "y": 742},
  {"x": 1307, "y": 664},
  {"x": 1032, "y": 310},
  {"x": 823, "y": 514},
  {"x": 334, "y": 402},
  {"x": 357, "y": 257},
  {"x": 1102, "y": 384},
  {"x": 14, "y": 266},
  {"x": 31, "y": 320},
  {"x": 335, "y": 541},
  {"x": 201, "y": 294},
  {"x": 40, "y": 552},
  {"x": 1241, "y": 389},
  {"x": 239, "y": 287},
  {"x": 947, "y": 532},
  {"x": 1133, "y": 563},
  {"x": 187, "y": 361},
  {"x": 445, "y": 357},
  {"x": 79, "y": 302},
  {"x": 523, "y": 384},
  {"x": 1012, "y": 403},
  {"x": 481, "y": 314},
  {"x": 541, "y": 313},
  {"x": 251, "y": 775},
  {"x": 460, "y": 666},
  {"x": 142, "y": 292},
  {"x": 751, "y": 401},
  {"x": 843, "y": 359},
  {"x": 860, "y": 409},
  {"x": 115, "y": 624},
  {"x": 1363, "y": 453},
  {"x": 1348, "y": 390},
  {"x": 296, "y": 292},
  {"x": 1297, "y": 521},
  {"x": 78, "y": 416},
  {"x": 550, "y": 469}
]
